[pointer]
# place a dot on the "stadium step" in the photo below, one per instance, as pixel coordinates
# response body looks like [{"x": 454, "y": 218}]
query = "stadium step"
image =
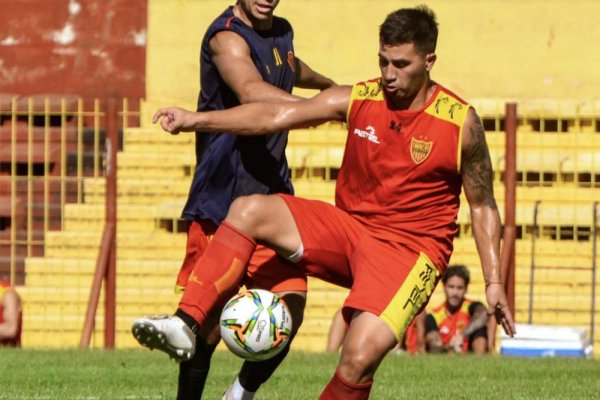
[
  {"x": 156, "y": 164},
  {"x": 91, "y": 217},
  {"x": 137, "y": 190},
  {"x": 130, "y": 245},
  {"x": 149, "y": 139}
]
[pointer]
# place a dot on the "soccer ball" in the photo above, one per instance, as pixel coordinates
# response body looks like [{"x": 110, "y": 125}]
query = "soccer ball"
[{"x": 255, "y": 324}]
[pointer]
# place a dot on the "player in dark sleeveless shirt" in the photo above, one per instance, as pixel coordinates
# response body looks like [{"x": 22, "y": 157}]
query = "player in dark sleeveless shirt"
[{"x": 247, "y": 55}]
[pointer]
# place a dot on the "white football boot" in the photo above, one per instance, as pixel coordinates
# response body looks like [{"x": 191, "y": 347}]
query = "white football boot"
[
  {"x": 166, "y": 333},
  {"x": 237, "y": 392}
]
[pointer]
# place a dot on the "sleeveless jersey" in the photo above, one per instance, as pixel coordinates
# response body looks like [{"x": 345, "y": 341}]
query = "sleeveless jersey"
[
  {"x": 16, "y": 341},
  {"x": 450, "y": 324},
  {"x": 400, "y": 173},
  {"x": 229, "y": 166}
]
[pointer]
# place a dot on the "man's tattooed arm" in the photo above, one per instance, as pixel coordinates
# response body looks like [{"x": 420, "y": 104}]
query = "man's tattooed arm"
[
  {"x": 476, "y": 165},
  {"x": 478, "y": 185}
]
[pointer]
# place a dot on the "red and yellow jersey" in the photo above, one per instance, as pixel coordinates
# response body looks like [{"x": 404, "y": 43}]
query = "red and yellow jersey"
[
  {"x": 16, "y": 341},
  {"x": 400, "y": 176},
  {"x": 449, "y": 324}
]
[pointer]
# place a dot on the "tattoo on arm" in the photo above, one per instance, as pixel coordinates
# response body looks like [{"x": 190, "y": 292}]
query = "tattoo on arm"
[{"x": 477, "y": 165}]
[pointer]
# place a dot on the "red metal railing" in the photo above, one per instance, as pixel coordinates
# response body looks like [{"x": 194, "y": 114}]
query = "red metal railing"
[{"x": 106, "y": 264}]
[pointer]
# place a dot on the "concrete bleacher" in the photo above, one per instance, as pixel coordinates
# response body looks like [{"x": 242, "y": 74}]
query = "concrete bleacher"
[{"x": 58, "y": 284}]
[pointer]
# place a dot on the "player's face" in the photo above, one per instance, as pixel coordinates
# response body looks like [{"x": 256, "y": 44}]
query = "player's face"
[
  {"x": 455, "y": 290},
  {"x": 404, "y": 70},
  {"x": 259, "y": 12}
]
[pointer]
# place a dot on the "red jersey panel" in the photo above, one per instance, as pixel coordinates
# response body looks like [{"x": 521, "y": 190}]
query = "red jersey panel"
[
  {"x": 450, "y": 324},
  {"x": 400, "y": 174},
  {"x": 5, "y": 286}
]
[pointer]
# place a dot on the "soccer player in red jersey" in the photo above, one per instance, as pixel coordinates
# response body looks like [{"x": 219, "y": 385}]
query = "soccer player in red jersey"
[
  {"x": 459, "y": 324},
  {"x": 10, "y": 315},
  {"x": 412, "y": 144}
]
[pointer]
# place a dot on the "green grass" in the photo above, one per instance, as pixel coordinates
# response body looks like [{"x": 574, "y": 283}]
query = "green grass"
[{"x": 140, "y": 374}]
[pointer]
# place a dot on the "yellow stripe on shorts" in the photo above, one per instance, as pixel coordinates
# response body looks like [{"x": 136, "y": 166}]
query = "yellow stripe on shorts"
[{"x": 415, "y": 291}]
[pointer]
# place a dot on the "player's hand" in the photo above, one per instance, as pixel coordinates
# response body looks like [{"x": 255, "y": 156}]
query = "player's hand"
[
  {"x": 174, "y": 119},
  {"x": 498, "y": 306}
]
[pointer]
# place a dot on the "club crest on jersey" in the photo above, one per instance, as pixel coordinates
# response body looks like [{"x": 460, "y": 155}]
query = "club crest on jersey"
[{"x": 419, "y": 150}]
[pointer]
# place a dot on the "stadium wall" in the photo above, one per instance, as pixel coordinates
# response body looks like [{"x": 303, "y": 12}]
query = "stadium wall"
[
  {"x": 89, "y": 48},
  {"x": 507, "y": 49}
]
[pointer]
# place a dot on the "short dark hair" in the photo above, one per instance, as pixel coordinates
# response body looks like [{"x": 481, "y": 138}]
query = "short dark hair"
[
  {"x": 457, "y": 270},
  {"x": 411, "y": 25}
]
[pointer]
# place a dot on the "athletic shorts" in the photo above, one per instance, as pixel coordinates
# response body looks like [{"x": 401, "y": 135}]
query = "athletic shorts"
[
  {"x": 386, "y": 279},
  {"x": 266, "y": 270}
]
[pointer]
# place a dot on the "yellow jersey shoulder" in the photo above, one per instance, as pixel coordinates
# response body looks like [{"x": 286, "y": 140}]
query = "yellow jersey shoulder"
[
  {"x": 448, "y": 107},
  {"x": 367, "y": 90}
]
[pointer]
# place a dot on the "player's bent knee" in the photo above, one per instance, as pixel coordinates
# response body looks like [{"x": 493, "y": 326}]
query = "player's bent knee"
[
  {"x": 248, "y": 212},
  {"x": 357, "y": 365}
]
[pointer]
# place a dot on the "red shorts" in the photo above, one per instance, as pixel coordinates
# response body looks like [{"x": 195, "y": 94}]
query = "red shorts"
[
  {"x": 266, "y": 270},
  {"x": 386, "y": 279}
]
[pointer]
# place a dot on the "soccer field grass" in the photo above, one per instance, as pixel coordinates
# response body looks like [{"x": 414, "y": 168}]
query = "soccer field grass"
[{"x": 141, "y": 374}]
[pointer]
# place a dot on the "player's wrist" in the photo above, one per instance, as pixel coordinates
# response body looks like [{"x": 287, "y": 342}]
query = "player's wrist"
[
  {"x": 492, "y": 280},
  {"x": 488, "y": 284}
]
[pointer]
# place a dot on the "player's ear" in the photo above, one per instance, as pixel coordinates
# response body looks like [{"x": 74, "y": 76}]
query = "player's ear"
[{"x": 429, "y": 61}]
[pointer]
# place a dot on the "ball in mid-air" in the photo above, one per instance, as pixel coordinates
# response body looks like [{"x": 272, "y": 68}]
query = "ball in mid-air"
[{"x": 255, "y": 324}]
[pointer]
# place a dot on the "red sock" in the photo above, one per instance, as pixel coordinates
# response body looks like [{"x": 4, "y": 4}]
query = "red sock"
[
  {"x": 218, "y": 272},
  {"x": 339, "y": 389}
]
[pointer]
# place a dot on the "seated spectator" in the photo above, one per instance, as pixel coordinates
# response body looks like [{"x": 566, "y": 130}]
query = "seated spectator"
[
  {"x": 10, "y": 315},
  {"x": 459, "y": 324}
]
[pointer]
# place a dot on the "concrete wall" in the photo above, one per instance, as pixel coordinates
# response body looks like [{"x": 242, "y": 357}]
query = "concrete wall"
[
  {"x": 85, "y": 47},
  {"x": 505, "y": 49}
]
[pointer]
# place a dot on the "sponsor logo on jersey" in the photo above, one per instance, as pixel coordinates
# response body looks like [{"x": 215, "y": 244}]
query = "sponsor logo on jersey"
[
  {"x": 369, "y": 89},
  {"x": 438, "y": 103},
  {"x": 368, "y": 133},
  {"x": 442, "y": 104},
  {"x": 453, "y": 108},
  {"x": 395, "y": 126},
  {"x": 419, "y": 150}
]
